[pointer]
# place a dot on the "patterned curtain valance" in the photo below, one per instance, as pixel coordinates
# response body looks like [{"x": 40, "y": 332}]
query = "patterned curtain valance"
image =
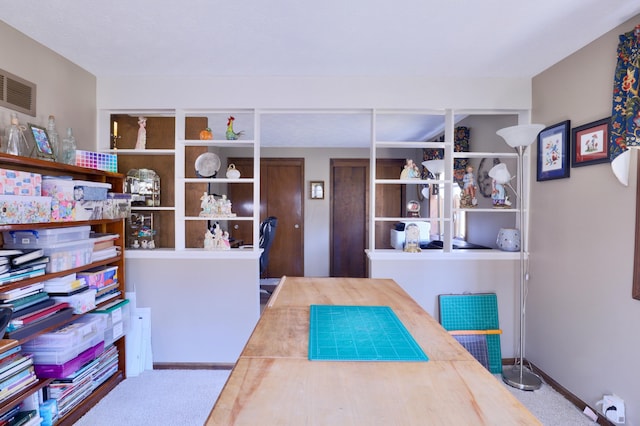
[{"x": 625, "y": 113}]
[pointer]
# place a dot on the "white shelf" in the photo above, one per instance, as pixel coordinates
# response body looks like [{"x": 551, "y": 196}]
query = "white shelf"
[
  {"x": 409, "y": 219},
  {"x": 218, "y": 180},
  {"x": 217, "y": 142},
  {"x": 153, "y": 209},
  {"x": 485, "y": 155},
  {"x": 218, "y": 218},
  {"x": 409, "y": 144},
  {"x": 141, "y": 151},
  {"x": 410, "y": 181}
]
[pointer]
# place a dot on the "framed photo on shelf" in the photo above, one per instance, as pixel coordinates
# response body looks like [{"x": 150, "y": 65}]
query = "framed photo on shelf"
[
  {"x": 554, "y": 151},
  {"x": 42, "y": 145},
  {"x": 316, "y": 189},
  {"x": 589, "y": 143}
]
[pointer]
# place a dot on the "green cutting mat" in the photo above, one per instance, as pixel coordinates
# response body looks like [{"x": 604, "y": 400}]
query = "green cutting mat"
[
  {"x": 360, "y": 333},
  {"x": 474, "y": 312}
]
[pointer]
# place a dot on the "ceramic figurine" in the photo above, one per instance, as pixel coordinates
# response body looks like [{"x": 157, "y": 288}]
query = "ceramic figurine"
[
  {"x": 468, "y": 198},
  {"x": 141, "y": 143},
  {"x": 410, "y": 170},
  {"x": 230, "y": 134},
  {"x": 500, "y": 177}
]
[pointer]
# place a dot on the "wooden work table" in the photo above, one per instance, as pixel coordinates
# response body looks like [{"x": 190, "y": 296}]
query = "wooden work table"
[{"x": 274, "y": 383}]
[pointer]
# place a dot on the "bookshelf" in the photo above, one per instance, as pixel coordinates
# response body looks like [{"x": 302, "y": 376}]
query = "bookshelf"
[{"x": 114, "y": 226}]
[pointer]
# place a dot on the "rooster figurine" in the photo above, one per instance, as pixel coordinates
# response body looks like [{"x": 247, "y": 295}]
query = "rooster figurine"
[{"x": 231, "y": 135}]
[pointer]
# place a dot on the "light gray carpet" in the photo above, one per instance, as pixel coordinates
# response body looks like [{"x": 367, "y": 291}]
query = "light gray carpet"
[{"x": 185, "y": 398}]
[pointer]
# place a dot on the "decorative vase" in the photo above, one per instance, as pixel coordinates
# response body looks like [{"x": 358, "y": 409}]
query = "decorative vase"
[
  {"x": 508, "y": 239},
  {"x": 232, "y": 172}
]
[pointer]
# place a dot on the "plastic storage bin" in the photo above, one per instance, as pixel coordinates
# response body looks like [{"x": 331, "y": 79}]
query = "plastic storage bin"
[
  {"x": 115, "y": 312},
  {"x": 63, "y": 256},
  {"x": 60, "y": 371},
  {"x": 64, "y": 344},
  {"x": 45, "y": 237}
]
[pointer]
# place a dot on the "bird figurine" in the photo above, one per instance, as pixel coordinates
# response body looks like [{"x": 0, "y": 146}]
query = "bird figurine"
[{"x": 231, "y": 135}]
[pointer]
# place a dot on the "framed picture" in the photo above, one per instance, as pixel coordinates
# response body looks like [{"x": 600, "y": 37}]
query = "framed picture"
[
  {"x": 554, "y": 151},
  {"x": 590, "y": 143},
  {"x": 316, "y": 190},
  {"x": 43, "y": 148}
]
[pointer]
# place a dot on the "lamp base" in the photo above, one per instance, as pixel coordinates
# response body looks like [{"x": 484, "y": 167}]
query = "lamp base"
[{"x": 521, "y": 378}]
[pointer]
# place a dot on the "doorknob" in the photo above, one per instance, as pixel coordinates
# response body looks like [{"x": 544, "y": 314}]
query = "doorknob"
[
  {"x": 236, "y": 227},
  {"x": 296, "y": 226}
]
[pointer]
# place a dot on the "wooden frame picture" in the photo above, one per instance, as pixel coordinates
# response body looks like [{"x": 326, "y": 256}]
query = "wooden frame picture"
[
  {"x": 589, "y": 143},
  {"x": 42, "y": 144},
  {"x": 554, "y": 151},
  {"x": 316, "y": 190}
]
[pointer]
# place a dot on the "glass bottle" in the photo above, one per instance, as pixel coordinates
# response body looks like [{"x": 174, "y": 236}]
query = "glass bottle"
[
  {"x": 69, "y": 148},
  {"x": 16, "y": 141},
  {"x": 53, "y": 137}
]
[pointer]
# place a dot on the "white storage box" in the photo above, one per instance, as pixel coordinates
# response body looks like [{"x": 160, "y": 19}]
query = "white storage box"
[
  {"x": 117, "y": 206},
  {"x": 89, "y": 210},
  {"x": 24, "y": 209},
  {"x": 45, "y": 237},
  {"x": 61, "y": 192},
  {"x": 90, "y": 191}
]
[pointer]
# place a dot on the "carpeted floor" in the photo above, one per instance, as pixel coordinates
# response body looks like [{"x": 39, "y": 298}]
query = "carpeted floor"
[{"x": 185, "y": 398}]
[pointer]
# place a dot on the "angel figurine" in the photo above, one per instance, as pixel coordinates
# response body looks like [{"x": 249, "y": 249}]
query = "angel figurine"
[{"x": 141, "y": 143}]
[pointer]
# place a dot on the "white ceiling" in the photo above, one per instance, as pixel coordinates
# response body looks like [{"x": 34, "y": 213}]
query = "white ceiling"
[{"x": 489, "y": 38}]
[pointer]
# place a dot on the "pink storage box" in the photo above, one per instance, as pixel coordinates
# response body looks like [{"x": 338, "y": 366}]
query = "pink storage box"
[
  {"x": 61, "y": 371},
  {"x": 13, "y": 182},
  {"x": 24, "y": 209},
  {"x": 61, "y": 192},
  {"x": 100, "y": 276}
]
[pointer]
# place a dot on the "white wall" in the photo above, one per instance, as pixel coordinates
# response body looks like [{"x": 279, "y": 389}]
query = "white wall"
[
  {"x": 63, "y": 89},
  {"x": 582, "y": 321}
]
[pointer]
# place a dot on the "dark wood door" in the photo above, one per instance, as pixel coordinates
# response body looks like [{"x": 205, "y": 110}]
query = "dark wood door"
[
  {"x": 282, "y": 196},
  {"x": 350, "y": 212}
]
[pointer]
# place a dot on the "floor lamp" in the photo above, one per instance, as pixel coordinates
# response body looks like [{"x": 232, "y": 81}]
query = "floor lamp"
[{"x": 519, "y": 138}]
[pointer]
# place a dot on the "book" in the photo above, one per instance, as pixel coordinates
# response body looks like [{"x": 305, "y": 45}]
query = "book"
[
  {"x": 19, "y": 365},
  {"x": 27, "y": 255},
  {"x": 18, "y": 305},
  {"x": 34, "y": 327},
  {"x": 42, "y": 313},
  {"x": 42, "y": 301},
  {"x": 13, "y": 272},
  {"x": 31, "y": 273},
  {"x": 39, "y": 261},
  {"x": 22, "y": 291}
]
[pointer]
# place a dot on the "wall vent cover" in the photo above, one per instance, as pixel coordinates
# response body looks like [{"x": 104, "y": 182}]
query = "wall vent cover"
[{"x": 17, "y": 93}]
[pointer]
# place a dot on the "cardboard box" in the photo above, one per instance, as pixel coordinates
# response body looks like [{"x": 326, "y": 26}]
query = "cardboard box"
[
  {"x": 24, "y": 209},
  {"x": 13, "y": 182},
  {"x": 62, "y": 203}
]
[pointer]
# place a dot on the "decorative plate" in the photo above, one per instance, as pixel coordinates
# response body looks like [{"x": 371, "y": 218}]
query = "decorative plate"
[{"x": 207, "y": 164}]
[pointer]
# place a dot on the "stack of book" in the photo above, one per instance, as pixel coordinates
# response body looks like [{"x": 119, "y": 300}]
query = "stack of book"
[
  {"x": 16, "y": 369},
  {"x": 19, "y": 417},
  {"x": 104, "y": 246},
  {"x": 20, "y": 264},
  {"x": 71, "y": 390},
  {"x": 33, "y": 310}
]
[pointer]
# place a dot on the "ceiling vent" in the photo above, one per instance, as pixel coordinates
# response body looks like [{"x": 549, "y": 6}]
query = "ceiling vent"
[{"x": 17, "y": 93}]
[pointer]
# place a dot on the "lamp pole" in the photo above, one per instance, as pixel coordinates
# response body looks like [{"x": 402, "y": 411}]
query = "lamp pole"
[{"x": 519, "y": 137}]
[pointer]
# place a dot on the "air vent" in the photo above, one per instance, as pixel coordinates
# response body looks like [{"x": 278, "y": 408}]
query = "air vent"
[{"x": 17, "y": 93}]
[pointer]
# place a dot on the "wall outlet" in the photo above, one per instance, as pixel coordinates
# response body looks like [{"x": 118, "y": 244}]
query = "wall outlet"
[{"x": 613, "y": 408}]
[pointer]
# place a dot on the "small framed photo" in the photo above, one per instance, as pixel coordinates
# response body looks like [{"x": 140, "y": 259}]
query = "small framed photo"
[
  {"x": 554, "y": 152},
  {"x": 316, "y": 190},
  {"x": 42, "y": 146},
  {"x": 590, "y": 143}
]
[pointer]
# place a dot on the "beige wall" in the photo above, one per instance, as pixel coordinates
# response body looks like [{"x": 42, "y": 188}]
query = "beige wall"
[
  {"x": 581, "y": 320},
  {"x": 63, "y": 89}
]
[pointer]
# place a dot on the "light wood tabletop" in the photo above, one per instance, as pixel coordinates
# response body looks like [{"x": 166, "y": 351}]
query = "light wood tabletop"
[{"x": 274, "y": 383}]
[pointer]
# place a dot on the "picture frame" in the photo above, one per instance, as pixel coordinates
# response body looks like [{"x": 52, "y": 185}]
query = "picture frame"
[
  {"x": 42, "y": 145},
  {"x": 589, "y": 143},
  {"x": 316, "y": 190},
  {"x": 554, "y": 151}
]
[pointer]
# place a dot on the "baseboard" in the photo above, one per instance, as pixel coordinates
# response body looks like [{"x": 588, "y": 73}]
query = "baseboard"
[
  {"x": 192, "y": 366},
  {"x": 580, "y": 404}
]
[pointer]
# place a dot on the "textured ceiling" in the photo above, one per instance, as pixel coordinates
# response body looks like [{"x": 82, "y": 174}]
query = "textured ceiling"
[
  {"x": 490, "y": 38},
  {"x": 331, "y": 37}
]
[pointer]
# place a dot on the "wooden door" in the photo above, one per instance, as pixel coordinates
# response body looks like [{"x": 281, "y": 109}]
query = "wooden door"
[
  {"x": 350, "y": 212},
  {"x": 282, "y": 196}
]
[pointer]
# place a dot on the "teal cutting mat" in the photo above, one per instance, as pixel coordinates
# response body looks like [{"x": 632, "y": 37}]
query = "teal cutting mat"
[
  {"x": 474, "y": 312},
  {"x": 360, "y": 333}
]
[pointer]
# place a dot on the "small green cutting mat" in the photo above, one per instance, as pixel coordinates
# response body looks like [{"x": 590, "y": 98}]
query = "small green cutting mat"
[
  {"x": 474, "y": 312},
  {"x": 360, "y": 333}
]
